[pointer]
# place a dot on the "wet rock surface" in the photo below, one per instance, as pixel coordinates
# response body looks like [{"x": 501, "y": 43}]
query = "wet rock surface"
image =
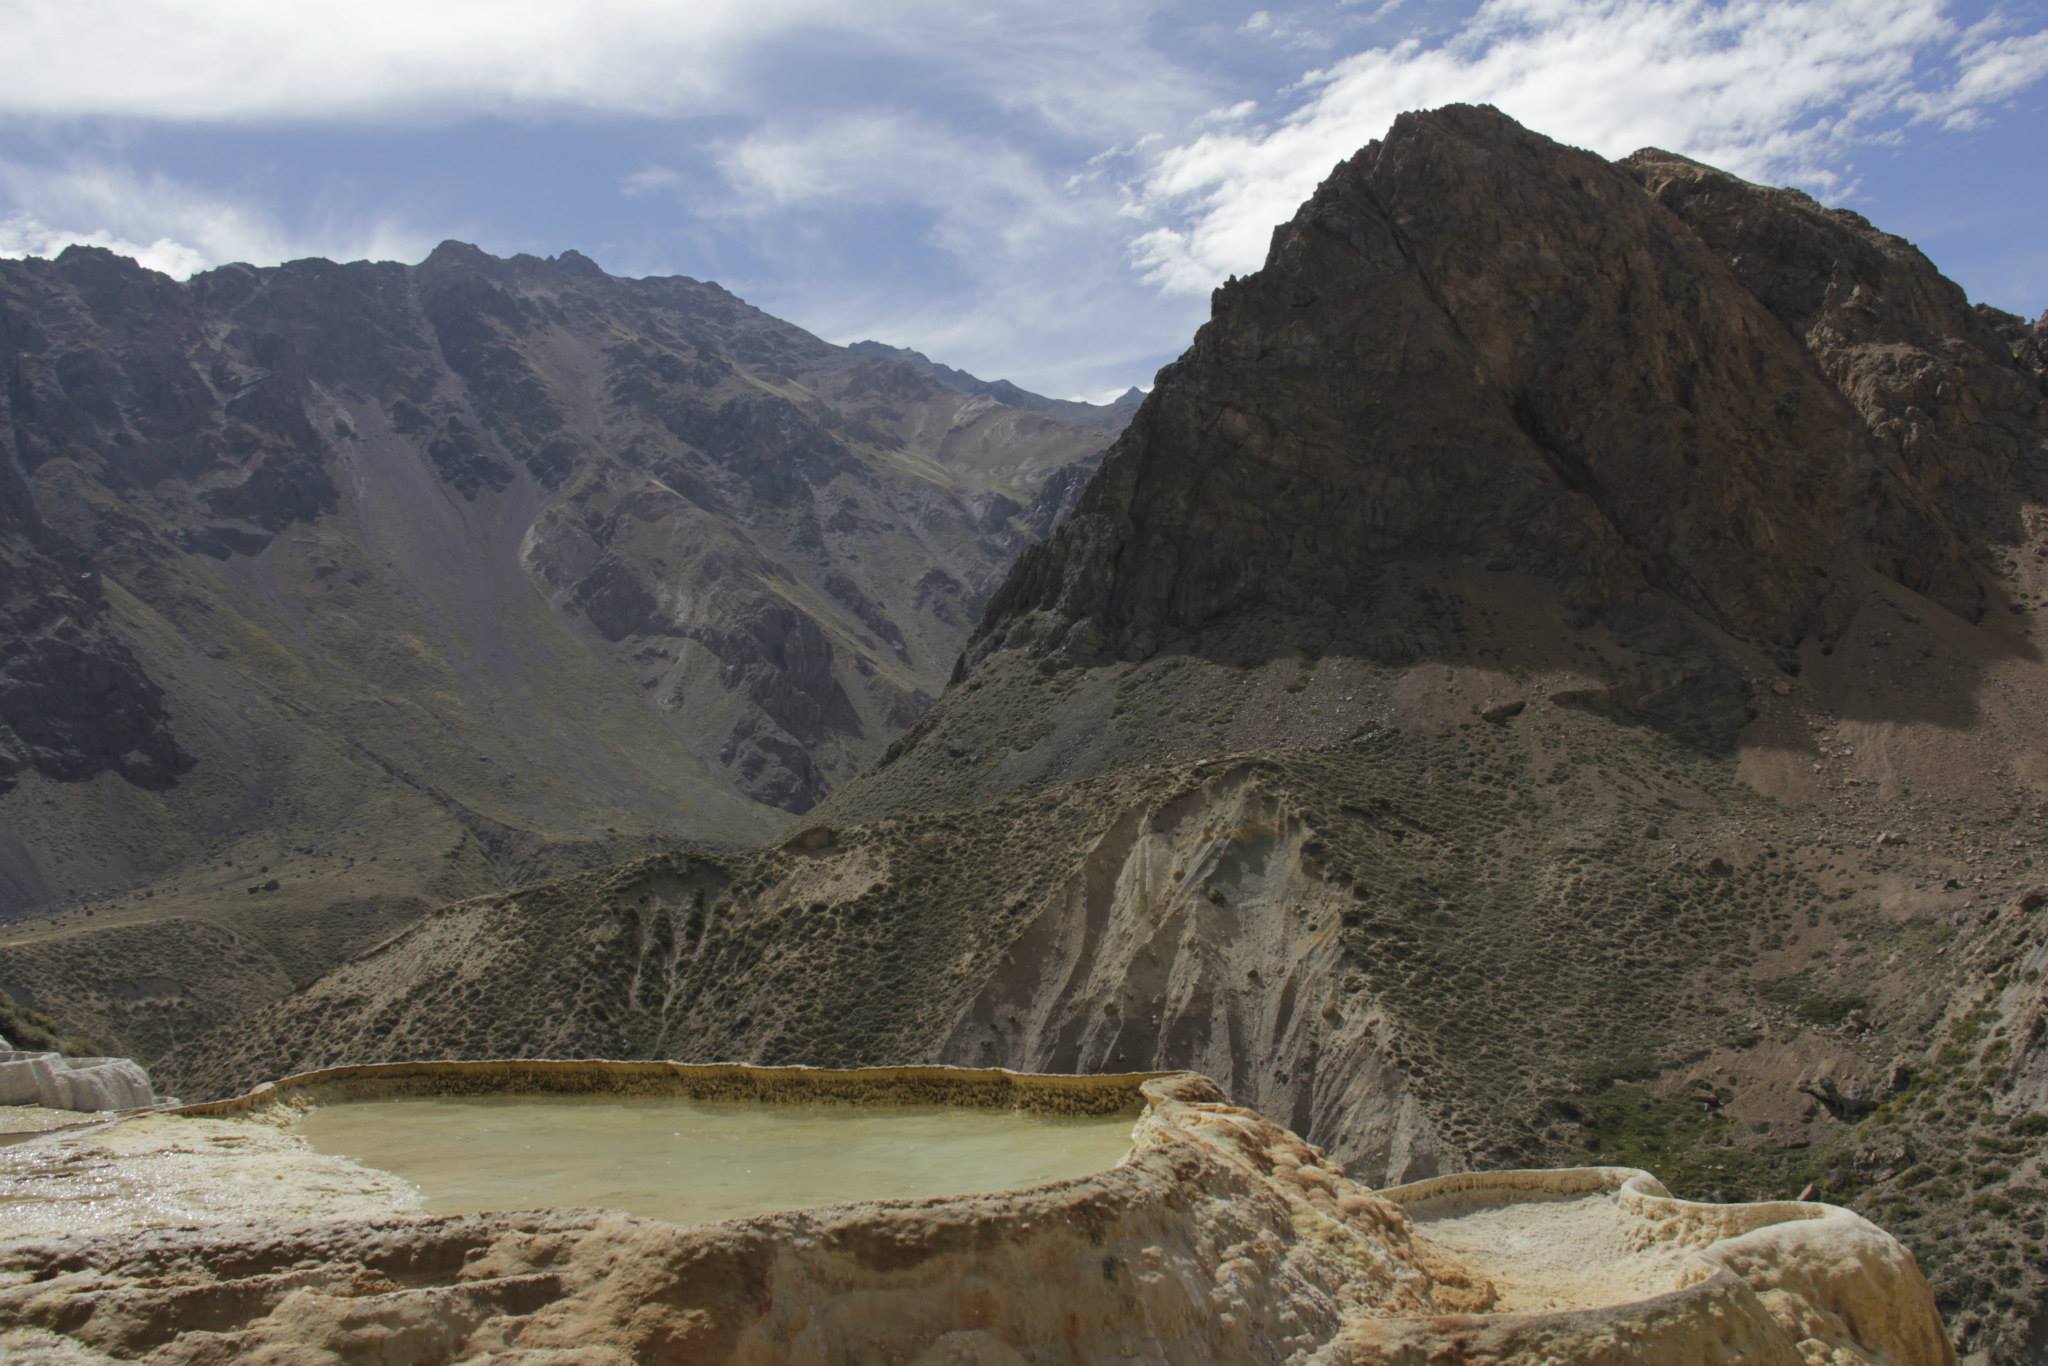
[
  {"x": 1219, "y": 1237},
  {"x": 56, "y": 1082}
]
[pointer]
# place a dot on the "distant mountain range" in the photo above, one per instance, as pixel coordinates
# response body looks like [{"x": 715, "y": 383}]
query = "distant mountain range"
[
  {"x": 1112, "y": 415},
  {"x": 330, "y": 591}
]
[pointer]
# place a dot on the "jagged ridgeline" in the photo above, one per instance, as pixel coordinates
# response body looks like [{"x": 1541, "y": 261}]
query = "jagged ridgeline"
[
  {"x": 1551, "y": 675},
  {"x": 330, "y": 592}
]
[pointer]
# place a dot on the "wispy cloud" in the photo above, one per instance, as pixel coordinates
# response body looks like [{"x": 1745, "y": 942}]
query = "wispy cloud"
[
  {"x": 1027, "y": 278},
  {"x": 1771, "y": 89},
  {"x": 170, "y": 226},
  {"x": 223, "y": 60},
  {"x": 1264, "y": 24},
  {"x": 1993, "y": 63},
  {"x": 1079, "y": 68},
  {"x": 985, "y": 199},
  {"x": 652, "y": 180}
]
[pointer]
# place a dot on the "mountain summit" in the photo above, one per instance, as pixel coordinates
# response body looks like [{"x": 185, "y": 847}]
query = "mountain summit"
[{"x": 1706, "y": 410}]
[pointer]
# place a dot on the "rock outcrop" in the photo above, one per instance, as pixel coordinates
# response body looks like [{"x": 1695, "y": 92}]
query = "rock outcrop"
[
  {"x": 74, "y": 701},
  {"x": 1474, "y": 343},
  {"x": 1220, "y": 1237},
  {"x": 56, "y": 1082},
  {"x": 1933, "y": 378}
]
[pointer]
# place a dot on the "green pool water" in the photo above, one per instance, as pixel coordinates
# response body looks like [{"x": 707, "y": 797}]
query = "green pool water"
[{"x": 693, "y": 1161}]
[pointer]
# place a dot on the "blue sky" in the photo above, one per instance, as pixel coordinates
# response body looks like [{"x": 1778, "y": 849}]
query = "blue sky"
[{"x": 1043, "y": 192}]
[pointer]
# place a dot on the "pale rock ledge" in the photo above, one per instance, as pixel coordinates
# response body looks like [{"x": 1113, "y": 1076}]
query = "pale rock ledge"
[
  {"x": 55, "y": 1082},
  {"x": 212, "y": 1234}
]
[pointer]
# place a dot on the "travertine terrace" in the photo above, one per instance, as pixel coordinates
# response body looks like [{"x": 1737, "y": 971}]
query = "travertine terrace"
[{"x": 1219, "y": 1237}]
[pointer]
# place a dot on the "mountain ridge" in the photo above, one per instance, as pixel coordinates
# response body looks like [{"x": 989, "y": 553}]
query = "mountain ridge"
[
  {"x": 1112, "y": 413},
  {"x": 336, "y": 591}
]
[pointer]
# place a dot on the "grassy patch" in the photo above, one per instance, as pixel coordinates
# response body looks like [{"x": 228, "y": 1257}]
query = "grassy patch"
[{"x": 1691, "y": 1148}]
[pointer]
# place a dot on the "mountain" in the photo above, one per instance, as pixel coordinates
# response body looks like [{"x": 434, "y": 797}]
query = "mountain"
[
  {"x": 1111, "y": 417},
  {"x": 1552, "y": 675},
  {"x": 329, "y": 592}
]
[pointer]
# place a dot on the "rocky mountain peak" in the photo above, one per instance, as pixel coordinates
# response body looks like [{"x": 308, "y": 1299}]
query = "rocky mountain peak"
[
  {"x": 452, "y": 253},
  {"x": 1681, "y": 401},
  {"x": 1897, "y": 339},
  {"x": 576, "y": 261}
]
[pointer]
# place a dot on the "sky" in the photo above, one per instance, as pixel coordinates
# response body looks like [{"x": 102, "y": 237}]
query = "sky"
[{"x": 1044, "y": 192}]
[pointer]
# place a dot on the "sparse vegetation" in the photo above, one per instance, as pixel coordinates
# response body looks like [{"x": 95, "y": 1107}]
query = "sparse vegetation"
[{"x": 32, "y": 1029}]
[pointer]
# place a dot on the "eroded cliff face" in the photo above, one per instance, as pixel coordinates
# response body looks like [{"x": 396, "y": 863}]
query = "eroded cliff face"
[
  {"x": 73, "y": 699},
  {"x": 1933, "y": 378}
]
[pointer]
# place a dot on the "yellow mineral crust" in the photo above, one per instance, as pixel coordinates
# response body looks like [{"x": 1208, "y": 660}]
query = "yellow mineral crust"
[{"x": 214, "y": 1235}]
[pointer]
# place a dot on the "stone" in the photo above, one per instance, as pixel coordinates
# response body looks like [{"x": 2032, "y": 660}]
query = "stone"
[
  {"x": 56, "y": 1082},
  {"x": 1220, "y": 1237},
  {"x": 1842, "y": 1105}
]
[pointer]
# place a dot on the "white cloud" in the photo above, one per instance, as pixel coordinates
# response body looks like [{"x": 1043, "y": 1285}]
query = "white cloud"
[
  {"x": 170, "y": 226},
  {"x": 220, "y": 60},
  {"x": 21, "y": 235},
  {"x": 1279, "y": 29},
  {"x": 1081, "y": 68},
  {"x": 1027, "y": 278},
  {"x": 985, "y": 198},
  {"x": 1990, "y": 70},
  {"x": 1770, "y": 89}
]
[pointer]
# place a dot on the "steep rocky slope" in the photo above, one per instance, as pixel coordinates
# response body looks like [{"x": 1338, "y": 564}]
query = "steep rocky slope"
[
  {"x": 329, "y": 592},
  {"x": 1553, "y": 674}
]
